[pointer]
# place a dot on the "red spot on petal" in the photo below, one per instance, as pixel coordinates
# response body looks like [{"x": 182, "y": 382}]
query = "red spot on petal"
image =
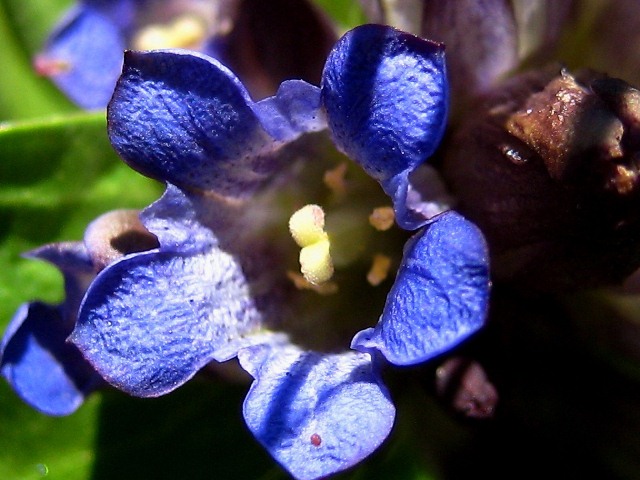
[{"x": 316, "y": 440}]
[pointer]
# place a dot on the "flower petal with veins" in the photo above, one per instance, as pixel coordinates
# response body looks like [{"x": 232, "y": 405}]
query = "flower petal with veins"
[
  {"x": 440, "y": 295},
  {"x": 386, "y": 97},
  {"x": 317, "y": 414}
]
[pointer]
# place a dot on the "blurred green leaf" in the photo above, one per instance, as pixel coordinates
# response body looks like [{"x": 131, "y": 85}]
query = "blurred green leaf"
[
  {"x": 31, "y": 21},
  {"x": 55, "y": 176},
  {"x": 24, "y": 26},
  {"x": 34, "y": 446},
  {"x": 346, "y": 14},
  {"x": 608, "y": 322},
  {"x": 196, "y": 432}
]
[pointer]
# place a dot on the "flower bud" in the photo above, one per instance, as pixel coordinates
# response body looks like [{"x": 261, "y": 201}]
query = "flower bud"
[{"x": 548, "y": 168}]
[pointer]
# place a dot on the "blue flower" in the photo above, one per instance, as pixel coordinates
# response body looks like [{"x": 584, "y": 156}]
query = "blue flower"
[
  {"x": 220, "y": 283},
  {"x": 83, "y": 55},
  {"x": 47, "y": 372}
]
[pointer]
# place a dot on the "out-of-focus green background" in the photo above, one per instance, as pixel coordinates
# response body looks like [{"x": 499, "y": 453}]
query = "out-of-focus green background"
[{"x": 571, "y": 403}]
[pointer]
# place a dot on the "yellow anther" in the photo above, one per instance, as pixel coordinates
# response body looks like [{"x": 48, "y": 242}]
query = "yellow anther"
[
  {"x": 307, "y": 225},
  {"x": 307, "y": 229},
  {"x": 334, "y": 179},
  {"x": 315, "y": 262},
  {"x": 379, "y": 269},
  {"x": 382, "y": 218},
  {"x": 187, "y": 31}
]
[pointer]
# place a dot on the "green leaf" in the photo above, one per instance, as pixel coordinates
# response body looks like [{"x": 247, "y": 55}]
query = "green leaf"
[
  {"x": 56, "y": 175},
  {"x": 345, "y": 14},
  {"x": 196, "y": 432},
  {"x": 34, "y": 446},
  {"x": 31, "y": 21}
]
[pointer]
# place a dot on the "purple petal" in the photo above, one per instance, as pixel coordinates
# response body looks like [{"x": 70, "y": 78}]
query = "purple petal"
[
  {"x": 186, "y": 119},
  {"x": 440, "y": 295},
  {"x": 316, "y": 414},
  {"x": 385, "y": 93},
  {"x": 44, "y": 370},
  {"x": 84, "y": 56},
  {"x": 150, "y": 321}
]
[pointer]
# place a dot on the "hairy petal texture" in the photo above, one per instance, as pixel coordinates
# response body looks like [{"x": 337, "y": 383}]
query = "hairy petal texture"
[
  {"x": 189, "y": 222},
  {"x": 316, "y": 414},
  {"x": 440, "y": 295},
  {"x": 150, "y": 321},
  {"x": 44, "y": 370},
  {"x": 84, "y": 56},
  {"x": 386, "y": 97},
  {"x": 186, "y": 119}
]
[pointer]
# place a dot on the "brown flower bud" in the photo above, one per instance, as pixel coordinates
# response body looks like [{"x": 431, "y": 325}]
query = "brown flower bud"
[
  {"x": 548, "y": 168},
  {"x": 464, "y": 384}
]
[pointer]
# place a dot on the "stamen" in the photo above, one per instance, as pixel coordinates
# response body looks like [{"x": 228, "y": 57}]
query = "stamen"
[
  {"x": 187, "y": 31},
  {"x": 334, "y": 179},
  {"x": 382, "y": 218},
  {"x": 379, "y": 269},
  {"x": 307, "y": 229},
  {"x": 301, "y": 283}
]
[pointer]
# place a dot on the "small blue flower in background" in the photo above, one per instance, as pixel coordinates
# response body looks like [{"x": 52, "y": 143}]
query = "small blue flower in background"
[
  {"x": 47, "y": 372},
  {"x": 219, "y": 284},
  {"x": 83, "y": 55}
]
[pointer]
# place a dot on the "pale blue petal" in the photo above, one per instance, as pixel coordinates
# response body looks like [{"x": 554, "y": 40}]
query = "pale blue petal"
[
  {"x": 294, "y": 110},
  {"x": 150, "y": 321},
  {"x": 316, "y": 414}
]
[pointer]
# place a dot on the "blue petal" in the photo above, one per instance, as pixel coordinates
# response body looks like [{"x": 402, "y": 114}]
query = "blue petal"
[
  {"x": 185, "y": 222},
  {"x": 150, "y": 321},
  {"x": 45, "y": 371},
  {"x": 440, "y": 295},
  {"x": 186, "y": 119},
  {"x": 386, "y": 97},
  {"x": 294, "y": 110},
  {"x": 84, "y": 56},
  {"x": 316, "y": 414},
  {"x": 74, "y": 261}
]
